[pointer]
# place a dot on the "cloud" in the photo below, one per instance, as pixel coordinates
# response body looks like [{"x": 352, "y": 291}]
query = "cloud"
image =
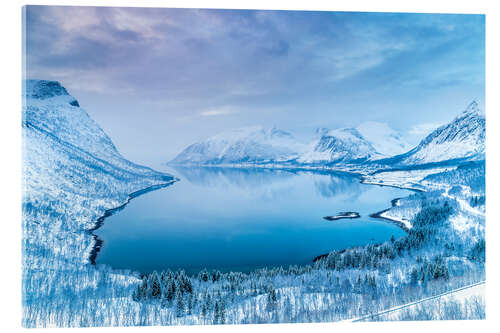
[
  {"x": 423, "y": 129},
  {"x": 221, "y": 56},
  {"x": 291, "y": 68},
  {"x": 218, "y": 112}
]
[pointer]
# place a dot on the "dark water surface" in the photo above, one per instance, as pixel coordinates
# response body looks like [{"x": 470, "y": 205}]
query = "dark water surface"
[{"x": 240, "y": 220}]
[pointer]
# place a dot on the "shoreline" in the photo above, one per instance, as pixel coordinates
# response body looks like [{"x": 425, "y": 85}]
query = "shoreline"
[
  {"x": 290, "y": 168},
  {"x": 376, "y": 215},
  {"x": 109, "y": 212},
  {"x": 395, "y": 186}
]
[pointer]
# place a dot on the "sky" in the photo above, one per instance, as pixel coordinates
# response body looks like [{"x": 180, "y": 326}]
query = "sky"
[{"x": 159, "y": 79}]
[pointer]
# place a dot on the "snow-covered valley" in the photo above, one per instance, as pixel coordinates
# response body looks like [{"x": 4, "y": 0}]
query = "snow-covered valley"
[{"x": 73, "y": 174}]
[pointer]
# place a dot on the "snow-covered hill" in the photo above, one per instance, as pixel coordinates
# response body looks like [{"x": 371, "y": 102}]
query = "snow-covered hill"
[
  {"x": 244, "y": 145},
  {"x": 72, "y": 174},
  {"x": 345, "y": 145},
  {"x": 50, "y": 109},
  {"x": 369, "y": 141},
  {"x": 461, "y": 139}
]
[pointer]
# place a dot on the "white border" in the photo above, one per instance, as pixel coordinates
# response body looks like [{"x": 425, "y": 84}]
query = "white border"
[{"x": 10, "y": 160}]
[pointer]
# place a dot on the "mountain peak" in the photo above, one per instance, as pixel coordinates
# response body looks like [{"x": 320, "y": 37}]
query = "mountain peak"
[
  {"x": 254, "y": 144},
  {"x": 345, "y": 133},
  {"x": 462, "y": 138},
  {"x": 320, "y": 131},
  {"x": 472, "y": 109},
  {"x": 276, "y": 132},
  {"x": 339, "y": 145},
  {"x": 42, "y": 89}
]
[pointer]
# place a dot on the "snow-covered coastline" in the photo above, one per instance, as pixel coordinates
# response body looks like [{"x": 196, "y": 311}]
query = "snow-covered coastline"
[
  {"x": 97, "y": 242},
  {"x": 73, "y": 176},
  {"x": 385, "y": 215}
]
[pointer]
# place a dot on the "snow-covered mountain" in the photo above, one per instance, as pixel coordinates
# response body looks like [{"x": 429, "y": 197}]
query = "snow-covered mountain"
[
  {"x": 72, "y": 174},
  {"x": 254, "y": 144},
  {"x": 257, "y": 145},
  {"x": 384, "y": 139},
  {"x": 461, "y": 139},
  {"x": 376, "y": 142},
  {"x": 367, "y": 142},
  {"x": 50, "y": 109},
  {"x": 345, "y": 145},
  {"x": 66, "y": 153}
]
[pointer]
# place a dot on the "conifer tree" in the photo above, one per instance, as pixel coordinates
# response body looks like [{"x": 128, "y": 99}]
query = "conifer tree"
[
  {"x": 179, "y": 305},
  {"x": 170, "y": 290},
  {"x": 222, "y": 312},
  {"x": 216, "y": 313},
  {"x": 155, "y": 285}
]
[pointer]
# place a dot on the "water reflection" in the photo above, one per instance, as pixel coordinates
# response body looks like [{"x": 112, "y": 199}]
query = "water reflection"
[
  {"x": 338, "y": 184},
  {"x": 258, "y": 180},
  {"x": 240, "y": 177},
  {"x": 242, "y": 219}
]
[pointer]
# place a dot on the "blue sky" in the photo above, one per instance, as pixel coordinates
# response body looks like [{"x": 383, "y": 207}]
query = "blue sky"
[{"x": 157, "y": 80}]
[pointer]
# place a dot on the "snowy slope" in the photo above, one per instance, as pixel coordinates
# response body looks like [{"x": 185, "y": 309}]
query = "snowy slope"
[
  {"x": 72, "y": 174},
  {"x": 70, "y": 166},
  {"x": 50, "y": 109},
  {"x": 384, "y": 139},
  {"x": 66, "y": 155},
  {"x": 345, "y": 145},
  {"x": 462, "y": 138},
  {"x": 244, "y": 145},
  {"x": 257, "y": 145}
]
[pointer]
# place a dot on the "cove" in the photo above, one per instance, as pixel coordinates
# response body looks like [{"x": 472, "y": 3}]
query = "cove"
[{"x": 243, "y": 219}]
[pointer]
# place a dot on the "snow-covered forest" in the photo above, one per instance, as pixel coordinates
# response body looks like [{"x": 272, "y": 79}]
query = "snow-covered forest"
[{"x": 73, "y": 175}]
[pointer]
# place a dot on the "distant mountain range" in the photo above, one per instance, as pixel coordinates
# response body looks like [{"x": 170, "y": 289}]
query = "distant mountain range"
[
  {"x": 244, "y": 145},
  {"x": 51, "y": 112},
  {"x": 370, "y": 143}
]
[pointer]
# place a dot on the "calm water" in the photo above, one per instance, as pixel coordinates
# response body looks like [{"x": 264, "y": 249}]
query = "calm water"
[{"x": 239, "y": 220}]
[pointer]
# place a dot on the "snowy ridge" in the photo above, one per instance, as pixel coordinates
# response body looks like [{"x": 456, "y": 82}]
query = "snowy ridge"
[
  {"x": 370, "y": 143},
  {"x": 72, "y": 174},
  {"x": 258, "y": 145},
  {"x": 65, "y": 151},
  {"x": 254, "y": 144},
  {"x": 367, "y": 142},
  {"x": 43, "y": 89},
  {"x": 340, "y": 145},
  {"x": 49, "y": 108},
  {"x": 462, "y": 138}
]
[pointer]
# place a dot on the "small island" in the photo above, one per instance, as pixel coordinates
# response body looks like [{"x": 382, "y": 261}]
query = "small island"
[{"x": 343, "y": 215}]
